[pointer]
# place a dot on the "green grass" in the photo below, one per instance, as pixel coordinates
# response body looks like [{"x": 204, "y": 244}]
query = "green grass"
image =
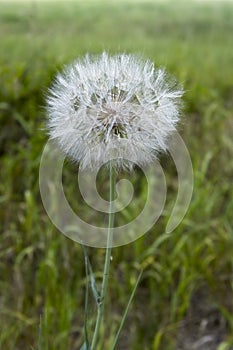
[{"x": 42, "y": 272}]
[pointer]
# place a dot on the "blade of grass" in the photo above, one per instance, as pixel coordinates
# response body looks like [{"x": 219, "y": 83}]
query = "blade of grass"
[
  {"x": 126, "y": 311},
  {"x": 40, "y": 335},
  {"x": 43, "y": 334},
  {"x": 86, "y": 343},
  {"x": 90, "y": 274}
]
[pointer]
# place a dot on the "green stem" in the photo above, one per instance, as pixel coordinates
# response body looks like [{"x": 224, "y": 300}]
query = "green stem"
[{"x": 100, "y": 312}]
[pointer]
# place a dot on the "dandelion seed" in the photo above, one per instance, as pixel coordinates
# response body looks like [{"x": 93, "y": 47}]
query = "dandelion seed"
[{"x": 105, "y": 106}]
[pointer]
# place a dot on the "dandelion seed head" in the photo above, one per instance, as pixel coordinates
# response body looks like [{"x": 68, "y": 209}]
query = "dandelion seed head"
[{"x": 112, "y": 106}]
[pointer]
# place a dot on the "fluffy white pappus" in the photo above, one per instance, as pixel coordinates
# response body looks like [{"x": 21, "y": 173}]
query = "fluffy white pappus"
[{"x": 120, "y": 107}]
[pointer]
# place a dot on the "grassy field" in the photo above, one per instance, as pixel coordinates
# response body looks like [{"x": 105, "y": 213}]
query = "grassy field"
[{"x": 185, "y": 299}]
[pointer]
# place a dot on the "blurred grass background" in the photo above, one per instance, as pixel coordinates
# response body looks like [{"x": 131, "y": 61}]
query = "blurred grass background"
[{"x": 185, "y": 299}]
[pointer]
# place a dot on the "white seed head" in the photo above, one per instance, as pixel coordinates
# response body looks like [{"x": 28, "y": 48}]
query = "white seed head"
[{"x": 112, "y": 106}]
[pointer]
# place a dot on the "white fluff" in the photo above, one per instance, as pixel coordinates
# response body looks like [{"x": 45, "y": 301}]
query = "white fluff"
[{"x": 105, "y": 106}]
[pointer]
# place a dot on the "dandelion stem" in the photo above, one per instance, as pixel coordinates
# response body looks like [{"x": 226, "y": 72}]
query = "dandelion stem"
[{"x": 101, "y": 303}]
